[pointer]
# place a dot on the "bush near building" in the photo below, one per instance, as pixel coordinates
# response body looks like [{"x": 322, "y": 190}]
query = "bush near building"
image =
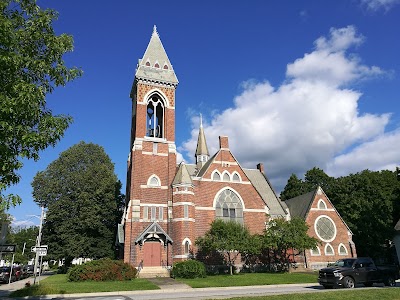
[
  {"x": 102, "y": 270},
  {"x": 188, "y": 269}
]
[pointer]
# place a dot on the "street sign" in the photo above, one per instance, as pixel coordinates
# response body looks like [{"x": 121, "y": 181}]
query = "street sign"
[
  {"x": 41, "y": 252},
  {"x": 8, "y": 248},
  {"x": 39, "y": 248}
]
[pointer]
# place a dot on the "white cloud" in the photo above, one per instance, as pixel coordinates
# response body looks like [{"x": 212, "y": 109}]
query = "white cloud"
[
  {"x": 310, "y": 120},
  {"x": 375, "y": 5},
  {"x": 329, "y": 62}
]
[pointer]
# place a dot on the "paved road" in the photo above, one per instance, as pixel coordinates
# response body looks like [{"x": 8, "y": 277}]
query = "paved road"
[{"x": 171, "y": 291}]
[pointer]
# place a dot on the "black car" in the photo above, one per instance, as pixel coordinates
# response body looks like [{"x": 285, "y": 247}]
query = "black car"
[
  {"x": 5, "y": 275},
  {"x": 351, "y": 271}
]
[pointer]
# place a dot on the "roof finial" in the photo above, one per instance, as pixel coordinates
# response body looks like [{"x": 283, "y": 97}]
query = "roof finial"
[
  {"x": 155, "y": 29},
  {"x": 201, "y": 120}
]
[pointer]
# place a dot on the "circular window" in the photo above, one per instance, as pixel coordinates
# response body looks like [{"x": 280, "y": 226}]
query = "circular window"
[{"x": 325, "y": 228}]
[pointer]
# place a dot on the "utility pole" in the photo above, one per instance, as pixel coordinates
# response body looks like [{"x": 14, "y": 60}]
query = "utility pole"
[{"x": 38, "y": 241}]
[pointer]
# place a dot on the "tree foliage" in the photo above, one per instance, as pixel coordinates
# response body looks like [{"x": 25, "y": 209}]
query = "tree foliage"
[
  {"x": 312, "y": 179},
  {"x": 283, "y": 240},
  {"x": 31, "y": 66},
  {"x": 229, "y": 238},
  {"x": 24, "y": 238},
  {"x": 82, "y": 197},
  {"x": 369, "y": 203}
]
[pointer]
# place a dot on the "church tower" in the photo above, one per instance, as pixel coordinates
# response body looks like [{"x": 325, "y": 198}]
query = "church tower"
[{"x": 152, "y": 160}]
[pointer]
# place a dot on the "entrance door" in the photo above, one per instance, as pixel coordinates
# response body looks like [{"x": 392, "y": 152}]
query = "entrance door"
[{"x": 152, "y": 254}]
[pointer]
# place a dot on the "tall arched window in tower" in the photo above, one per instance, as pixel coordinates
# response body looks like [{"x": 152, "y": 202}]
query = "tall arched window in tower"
[
  {"x": 155, "y": 117},
  {"x": 229, "y": 207}
]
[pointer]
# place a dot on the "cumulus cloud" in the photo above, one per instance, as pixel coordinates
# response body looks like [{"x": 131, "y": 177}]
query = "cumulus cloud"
[
  {"x": 375, "y": 5},
  {"x": 311, "y": 119}
]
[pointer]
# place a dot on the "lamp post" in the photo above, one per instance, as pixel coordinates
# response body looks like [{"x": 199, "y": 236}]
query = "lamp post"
[{"x": 38, "y": 241}]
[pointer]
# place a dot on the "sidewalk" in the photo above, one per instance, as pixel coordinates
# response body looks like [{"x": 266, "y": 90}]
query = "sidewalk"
[{"x": 6, "y": 289}]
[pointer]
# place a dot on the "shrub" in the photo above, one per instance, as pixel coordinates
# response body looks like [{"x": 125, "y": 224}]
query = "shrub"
[
  {"x": 189, "y": 269},
  {"x": 102, "y": 270}
]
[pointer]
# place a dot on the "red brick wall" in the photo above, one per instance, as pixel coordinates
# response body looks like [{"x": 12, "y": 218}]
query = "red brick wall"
[{"x": 342, "y": 236}]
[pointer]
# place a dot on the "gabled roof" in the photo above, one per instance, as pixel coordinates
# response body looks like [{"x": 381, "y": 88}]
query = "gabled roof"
[
  {"x": 154, "y": 230},
  {"x": 264, "y": 189},
  {"x": 155, "y": 53},
  {"x": 299, "y": 206},
  {"x": 182, "y": 176}
]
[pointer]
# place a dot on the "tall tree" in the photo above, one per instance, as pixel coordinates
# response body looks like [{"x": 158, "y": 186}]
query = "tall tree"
[
  {"x": 366, "y": 202},
  {"x": 82, "y": 197},
  {"x": 229, "y": 238},
  {"x": 293, "y": 188},
  {"x": 31, "y": 66}
]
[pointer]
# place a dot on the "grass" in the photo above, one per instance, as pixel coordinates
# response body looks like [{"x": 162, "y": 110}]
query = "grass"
[
  {"x": 356, "y": 294},
  {"x": 58, "y": 284},
  {"x": 248, "y": 279}
]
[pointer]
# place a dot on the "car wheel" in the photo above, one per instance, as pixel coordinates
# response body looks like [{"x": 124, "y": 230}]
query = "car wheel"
[
  {"x": 368, "y": 284},
  {"x": 390, "y": 281},
  {"x": 348, "y": 282}
]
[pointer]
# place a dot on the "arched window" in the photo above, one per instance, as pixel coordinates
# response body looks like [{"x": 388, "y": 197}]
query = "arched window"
[
  {"x": 187, "y": 247},
  {"x": 229, "y": 207},
  {"x": 165, "y": 67},
  {"x": 216, "y": 176},
  {"x": 156, "y": 65},
  {"x": 315, "y": 251},
  {"x": 153, "y": 181},
  {"x": 236, "y": 177},
  {"x": 147, "y": 64},
  {"x": 226, "y": 177},
  {"x": 329, "y": 250},
  {"x": 155, "y": 117},
  {"x": 321, "y": 204},
  {"x": 342, "y": 250}
]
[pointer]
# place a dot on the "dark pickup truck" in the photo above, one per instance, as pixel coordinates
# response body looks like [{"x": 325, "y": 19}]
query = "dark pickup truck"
[{"x": 350, "y": 271}]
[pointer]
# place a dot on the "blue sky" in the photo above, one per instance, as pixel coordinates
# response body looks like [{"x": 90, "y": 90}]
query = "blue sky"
[{"x": 294, "y": 84}]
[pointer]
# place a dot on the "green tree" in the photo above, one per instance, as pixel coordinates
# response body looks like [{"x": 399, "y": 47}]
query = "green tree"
[
  {"x": 82, "y": 197},
  {"x": 24, "y": 238},
  {"x": 366, "y": 201},
  {"x": 312, "y": 179},
  {"x": 293, "y": 188},
  {"x": 282, "y": 239},
  {"x": 31, "y": 66},
  {"x": 229, "y": 238}
]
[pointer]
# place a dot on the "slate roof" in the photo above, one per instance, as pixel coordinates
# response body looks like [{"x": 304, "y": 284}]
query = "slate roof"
[
  {"x": 182, "y": 176},
  {"x": 155, "y": 53},
  {"x": 300, "y": 205},
  {"x": 263, "y": 187},
  {"x": 202, "y": 148}
]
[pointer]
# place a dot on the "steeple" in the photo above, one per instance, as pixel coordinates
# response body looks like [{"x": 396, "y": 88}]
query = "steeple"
[
  {"x": 155, "y": 65},
  {"x": 202, "y": 154}
]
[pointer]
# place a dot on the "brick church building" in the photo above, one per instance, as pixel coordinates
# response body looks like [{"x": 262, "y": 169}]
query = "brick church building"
[{"x": 169, "y": 205}]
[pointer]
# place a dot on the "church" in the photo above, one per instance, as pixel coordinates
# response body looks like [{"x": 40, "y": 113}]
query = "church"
[{"x": 170, "y": 205}]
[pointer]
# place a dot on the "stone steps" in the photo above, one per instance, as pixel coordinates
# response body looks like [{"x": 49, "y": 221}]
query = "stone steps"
[{"x": 153, "y": 272}]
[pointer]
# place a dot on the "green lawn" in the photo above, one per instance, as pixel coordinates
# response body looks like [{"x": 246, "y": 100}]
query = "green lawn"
[
  {"x": 250, "y": 279},
  {"x": 342, "y": 294},
  {"x": 58, "y": 284}
]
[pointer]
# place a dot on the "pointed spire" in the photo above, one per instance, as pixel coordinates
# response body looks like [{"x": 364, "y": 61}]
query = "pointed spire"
[
  {"x": 155, "y": 64},
  {"x": 202, "y": 155},
  {"x": 182, "y": 176}
]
